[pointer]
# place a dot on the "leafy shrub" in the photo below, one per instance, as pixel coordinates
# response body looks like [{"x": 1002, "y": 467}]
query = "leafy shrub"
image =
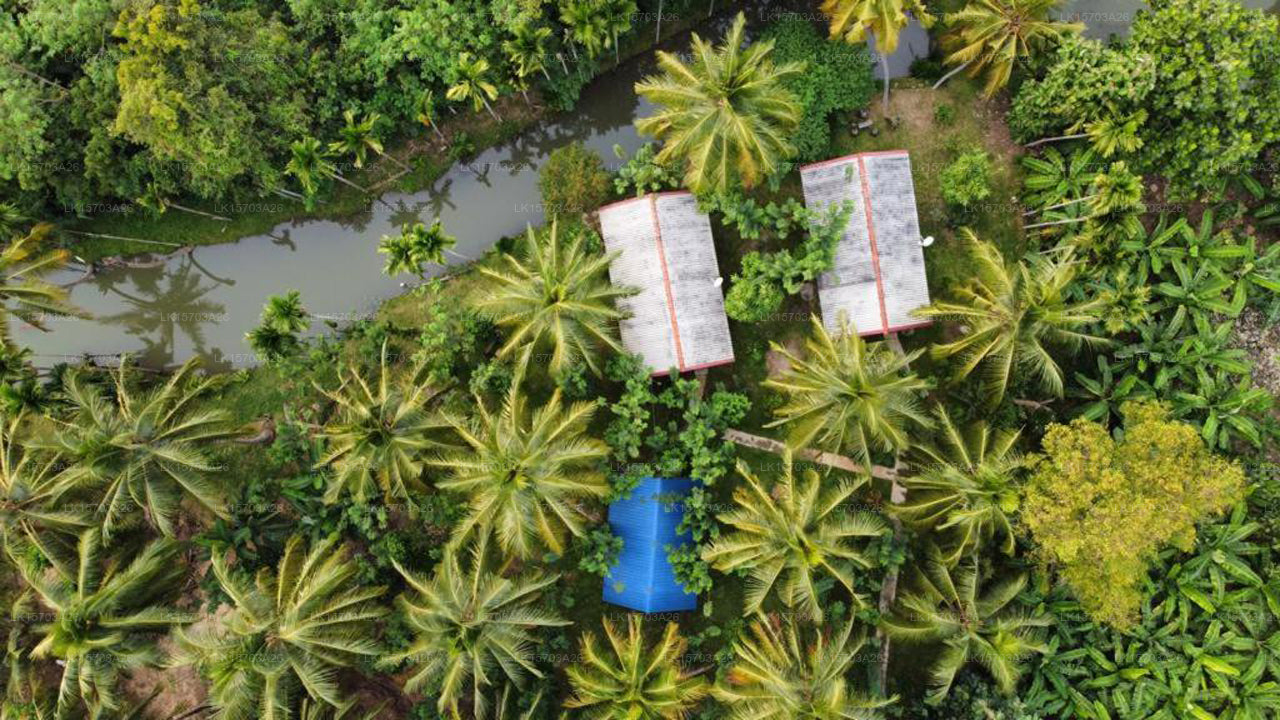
[
  {"x": 944, "y": 115},
  {"x": 573, "y": 181},
  {"x": 642, "y": 174},
  {"x": 967, "y": 179},
  {"x": 837, "y": 77},
  {"x": 600, "y": 549},
  {"x": 758, "y": 289},
  {"x": 451, "y": 340}
]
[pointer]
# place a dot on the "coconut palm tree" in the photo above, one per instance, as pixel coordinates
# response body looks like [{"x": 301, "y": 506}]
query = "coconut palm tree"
[
  {"x": 632, "y": 681},
  {"x": 427, "y": 112},
  {"x": 846, "y": 395},
  {"x": 377, "y": 436},
  {"x": 853, "y": 19},
  {"x": 286, "y": 631},
  {"x": 556, "y": 296},
  {"x": 1011, "y": 315},
  {"x": 783, "y": 672},
  {"x": 415, "y": 247},
  {"x": 104, "y": 617},
  {"x": 138, "y": 450},
  {"x": 947, "y": 608},
  {"x": 358, "y": 138},
  {"x": 283, "y": 318},
  {"x": 473, "y": 628},
  {"x": 473, "y": 84},
  {"x": 27, "y": 491},
  {"x": 724, "y": 116},
  {"x": 588, "y": 23},
  {"x": 792, "y": 535},
  {"x": 993, "y": 35},
  {"x": 527, "y": 49},
  {"x": 965, "y": 486},
  {"x": 526, "y": 473},
  {"x": 24, "y": 294}
]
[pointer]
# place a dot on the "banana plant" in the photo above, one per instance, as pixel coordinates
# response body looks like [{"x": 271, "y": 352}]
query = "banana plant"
[
  {"x": 1150, "y": 252},
  {"x": 1054, "y": 180},
  {"x": 1107, "y": 391},
  {"x": 1173, "y": 359},
  {"x": 1202, "y": 292},
  {"x": 1224, "y": 409}
]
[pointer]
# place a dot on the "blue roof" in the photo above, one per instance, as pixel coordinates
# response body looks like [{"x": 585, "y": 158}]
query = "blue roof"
[{"x": 643, "y": 579}]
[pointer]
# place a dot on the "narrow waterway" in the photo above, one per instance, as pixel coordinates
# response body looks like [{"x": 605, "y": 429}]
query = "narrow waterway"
[{"x": 203, "y": 303}]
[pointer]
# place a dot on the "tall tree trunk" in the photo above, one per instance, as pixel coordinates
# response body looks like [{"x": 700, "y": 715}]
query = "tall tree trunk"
[
  {"x": 563, "y": 66},
  {"x": 395, "y": 160},
  {"x": 657, "y": 34},
  {"x": 1059, "y": 205},
  {"x": 712, "y": 10},
  {"x": 193, "y": 211},
  {"x": 616, "y": 60},
  {"x": 338, "y": 176},
  {"x": 954, "y": 70},
  {"x": 884, "y": 66},
  {"x": 1055, "y": 222},
  {"x": 437, "y": 131},
  {"x": 489, "y": 107},
  {"x": 1058, "y": 138}
]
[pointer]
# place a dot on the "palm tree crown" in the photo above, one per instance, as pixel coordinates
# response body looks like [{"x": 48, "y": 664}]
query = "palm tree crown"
[
  {"x": 992, "y": 35},
  {"x": 357, "y": 138},
  {"x": 23, "y": 292},
  {"x": 792, "y": 536},
  {"x": 1010, "y": 314},
  {"x": 780, "y": 672},
  {"x": 966, "y": 486},
  {"x": 526, "y": 473},
  {"x": 725, "y": 116},
  {"x": 286, "y": 630},
  {"x": 415, "y": 247},
  {"x": 852, "y": 19},
  {"x": 139, "y": 449},
  {"x": 472, "y": 628},
  {"x": 378, "y": 435},
  {"x": 948, "y": 608},
  {"x": 555, "y": 296},
  {"x": 846, "y": 395},
  {"x": 631, "y": 681},
  {"x": 105, "y": 618},
  {"x": 27, "y": 491}
]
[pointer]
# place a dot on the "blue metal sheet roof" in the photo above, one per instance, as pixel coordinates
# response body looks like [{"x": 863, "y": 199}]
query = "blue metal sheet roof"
[{"x": 646, "y": 521}]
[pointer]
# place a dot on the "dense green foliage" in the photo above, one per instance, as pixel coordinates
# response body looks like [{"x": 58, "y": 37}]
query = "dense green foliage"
[
  {"x": 1102, "y": 508},
  {"x": 573, "y": 181},
  {"x": 836, "y": 77}
]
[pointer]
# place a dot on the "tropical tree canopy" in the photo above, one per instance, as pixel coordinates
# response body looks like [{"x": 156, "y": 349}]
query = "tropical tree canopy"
[
  {"x": 993, "y": 35},
  {"x": 134, "y": 450},
  {"x": 725, "y": 115},
  {"x": 555, "y": 296},
  {"x": 378, "y": 435},
  {"x": 473, "y": 628},
  {"x": 846, "y": 395},
  {"x": 1101, "y": 507},
  {"x": 965, "y": 486},
  {"x": 27, "y": 489},
  {"x": 1015, "y": 318},
  {"x": 105, "y": 614},
  {"x": 792, "y": 535},
  {"x": 286, "y": 631},
  {"x": 631, "y": 680},
  {"x": 783, "y": 672},
  {"x": 526, "y": 473},
  {"x": 852, "y": 19},
  {"x": 947, "y": 608}
]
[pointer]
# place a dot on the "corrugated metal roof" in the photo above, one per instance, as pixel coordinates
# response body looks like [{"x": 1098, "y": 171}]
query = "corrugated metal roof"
[
  {"x": 667, "y": 252},
  {"x": 879, "y": 275},
  {"x": 643, "y": 579}
]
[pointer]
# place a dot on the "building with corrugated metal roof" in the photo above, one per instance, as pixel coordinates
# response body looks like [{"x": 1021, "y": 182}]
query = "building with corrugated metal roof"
[
  {"x": 666, "y": 251},
  {"x": 647, "y": 522},
  {"x": 878, "y": 278}
]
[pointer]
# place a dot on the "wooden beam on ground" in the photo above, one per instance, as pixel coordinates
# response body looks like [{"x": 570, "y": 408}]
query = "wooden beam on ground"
[{"x": 839, "y": 462}]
